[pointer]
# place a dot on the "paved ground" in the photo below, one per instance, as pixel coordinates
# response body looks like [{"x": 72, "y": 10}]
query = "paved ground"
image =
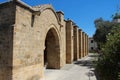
[{"x": 79, "y": 70}]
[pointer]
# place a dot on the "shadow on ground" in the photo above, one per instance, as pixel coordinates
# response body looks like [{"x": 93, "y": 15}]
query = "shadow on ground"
[
  {"x": 87, "y": 63},
  {"x": 94, "y": 55},
  {"x": 90, "y": 63}
]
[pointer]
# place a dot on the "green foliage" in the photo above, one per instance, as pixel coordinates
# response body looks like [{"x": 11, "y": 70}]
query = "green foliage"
[
  {"x": 102, "y": 29},
  {"x": 119, "y": 75},
  {"x": 108, "y": 65},
  {"x": 91, "y": 51}
]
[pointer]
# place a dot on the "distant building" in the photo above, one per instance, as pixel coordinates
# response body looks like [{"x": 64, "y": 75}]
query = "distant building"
[
  {"x": 116, "y": 20},
  {"x": 92, "y": 44},
  {"x": 116, "y": 17}
]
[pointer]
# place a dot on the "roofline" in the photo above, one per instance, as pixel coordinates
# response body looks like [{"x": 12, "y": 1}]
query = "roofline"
[{"x": 24, "y": 5}]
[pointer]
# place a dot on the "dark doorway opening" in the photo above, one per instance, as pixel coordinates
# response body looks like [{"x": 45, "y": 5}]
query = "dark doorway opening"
[{"x": 52, "y": 50}]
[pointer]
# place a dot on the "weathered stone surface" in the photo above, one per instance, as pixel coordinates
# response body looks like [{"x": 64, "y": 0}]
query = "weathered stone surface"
[
  {"x": 29, "y": 40},
  {"x": 7, "y": 17},
  {"x": 80, "y": 43},
  {"x": 7, "y": 13},
  {"x": 69, "y": 42},
  {"x": 76, "y": 42},
  {"x": 32, "y": 38},
  {"x": 83, "y": 43}
]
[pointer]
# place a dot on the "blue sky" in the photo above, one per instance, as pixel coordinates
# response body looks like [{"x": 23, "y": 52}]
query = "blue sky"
[{"x": 82, "y": 12}]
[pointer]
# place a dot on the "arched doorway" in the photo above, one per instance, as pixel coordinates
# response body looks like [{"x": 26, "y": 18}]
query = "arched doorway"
[{"x": 52, "y": 50}]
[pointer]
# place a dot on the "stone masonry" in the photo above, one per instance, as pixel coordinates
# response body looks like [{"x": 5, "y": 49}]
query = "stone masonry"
[
  {"x": 34, "y": 38},
  {"x": 80, "y": 44},
  {"x": 69, "y": 42},
  {"x": 76, "y": 42}
]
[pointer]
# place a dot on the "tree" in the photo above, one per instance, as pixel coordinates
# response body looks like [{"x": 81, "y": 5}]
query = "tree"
[
  {"x": 107, "y": 36},
  {"x": 102, "y": 29},
  {"x": 108, "y": 65}
]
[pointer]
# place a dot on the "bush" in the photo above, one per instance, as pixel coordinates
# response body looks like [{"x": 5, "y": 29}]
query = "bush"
[{"x": 107, "y": 66}]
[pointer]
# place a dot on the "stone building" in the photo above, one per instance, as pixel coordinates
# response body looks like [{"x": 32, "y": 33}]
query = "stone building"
[
  {"x": 92, "y": 44},
  {"x": 32, "y": 38}
]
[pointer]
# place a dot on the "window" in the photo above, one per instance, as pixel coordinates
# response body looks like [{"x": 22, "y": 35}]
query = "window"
[
  {"x": 91, "y": 41},
  {"x": 91, "y": 48}
]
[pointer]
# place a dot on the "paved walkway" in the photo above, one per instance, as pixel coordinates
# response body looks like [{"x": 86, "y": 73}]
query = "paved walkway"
[{"x": 79, "y": 70}]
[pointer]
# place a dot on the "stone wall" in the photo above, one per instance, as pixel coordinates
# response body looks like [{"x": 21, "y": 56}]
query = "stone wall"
[
  {"x": 80, "y": 43},
  {"x": 26, "y": 33},
  {"x": 63, "y": 37},
  {"x": 83, "y": 44},
  {"x": 29, "y": 42},
  {"x": 6, "y": 50},
  {"x": 7, "y": 13},
  {"x": 7, "y": 20},
  {"x": 76, "y": 42},
  {"x": 87, "y": 45},
  {"x": 27, "y": 53},
  {"x": 69, "y": 42}
]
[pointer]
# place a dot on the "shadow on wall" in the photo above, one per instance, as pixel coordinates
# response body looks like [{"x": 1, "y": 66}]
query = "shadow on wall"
[{"x": 6, "y": 52}]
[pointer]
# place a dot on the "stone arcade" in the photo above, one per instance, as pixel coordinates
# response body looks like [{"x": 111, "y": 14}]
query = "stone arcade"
[{"x": 34, "y": 37}]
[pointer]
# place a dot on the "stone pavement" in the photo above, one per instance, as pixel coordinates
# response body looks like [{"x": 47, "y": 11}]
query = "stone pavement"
[{"x": 79, "y": 70}]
